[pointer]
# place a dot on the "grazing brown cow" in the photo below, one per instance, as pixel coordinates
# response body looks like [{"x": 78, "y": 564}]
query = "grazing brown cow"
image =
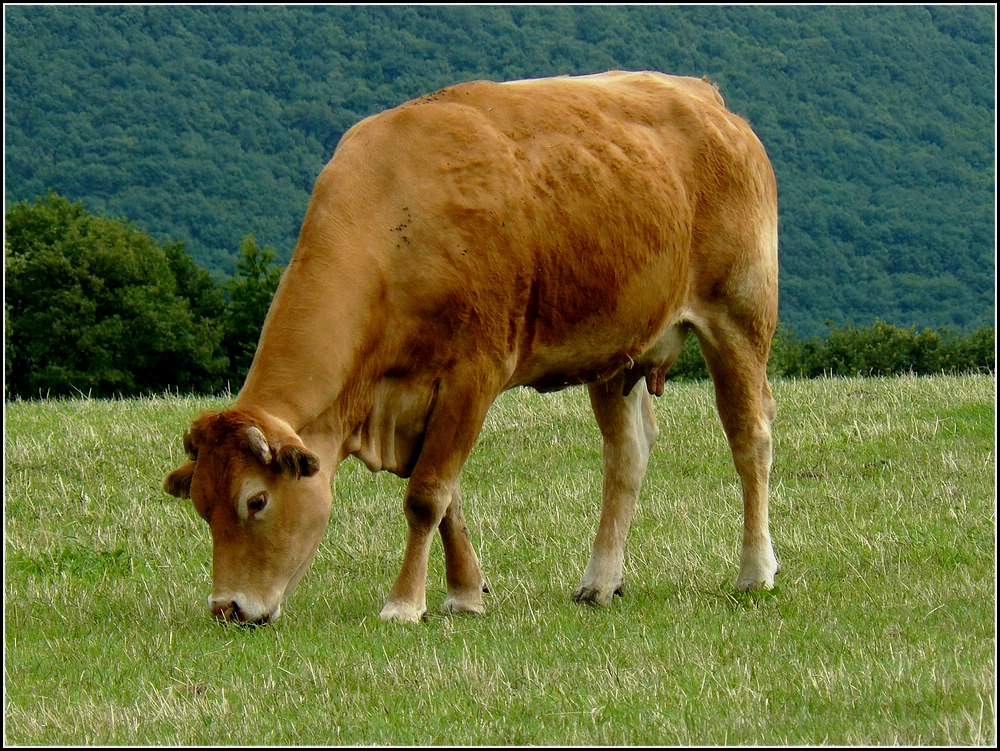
[{"x": 536, "y": 233}]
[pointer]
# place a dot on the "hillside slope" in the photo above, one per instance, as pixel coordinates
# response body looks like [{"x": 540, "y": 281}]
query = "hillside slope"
[{"x": 202, "y": 124}]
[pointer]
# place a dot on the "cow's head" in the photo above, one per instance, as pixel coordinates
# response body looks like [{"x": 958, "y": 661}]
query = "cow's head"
[{"x": 267, "y": 504}]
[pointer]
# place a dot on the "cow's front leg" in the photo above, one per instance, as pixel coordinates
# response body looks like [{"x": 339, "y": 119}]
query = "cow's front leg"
[
  {"x": 465, "y": 577},
  {"x": 425, "y": 508},
  {"x": 628, "y": 427},
  {"x": 432, "y": 500}
]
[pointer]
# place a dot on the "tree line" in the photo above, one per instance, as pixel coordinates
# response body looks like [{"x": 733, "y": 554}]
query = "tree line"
[
  {"x": 878, "y": 350},
  {"x": 95, "y": 306},
  {"x": 202, "y": 123}
]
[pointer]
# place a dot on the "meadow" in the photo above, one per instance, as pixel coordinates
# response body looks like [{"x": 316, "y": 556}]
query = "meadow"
[{"x": 881, "y": 630}]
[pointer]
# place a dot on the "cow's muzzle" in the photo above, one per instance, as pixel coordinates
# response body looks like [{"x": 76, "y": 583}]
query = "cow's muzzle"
[{"x": 235, "y": 610}]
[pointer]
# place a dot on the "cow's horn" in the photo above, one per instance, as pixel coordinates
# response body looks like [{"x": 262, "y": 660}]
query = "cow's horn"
[{"x": 258, "y": 444}]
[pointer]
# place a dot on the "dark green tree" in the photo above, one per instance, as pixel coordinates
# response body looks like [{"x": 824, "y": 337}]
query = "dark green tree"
[
  {"x": 94, "y": 306},
  {"x": 885, "y": 350},
  {"x": 207, "y": 122},
  {"x": 250, "y": 293}
]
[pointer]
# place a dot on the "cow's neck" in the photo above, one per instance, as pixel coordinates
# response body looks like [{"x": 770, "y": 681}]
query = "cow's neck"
[{"x": 311, "y": 348}]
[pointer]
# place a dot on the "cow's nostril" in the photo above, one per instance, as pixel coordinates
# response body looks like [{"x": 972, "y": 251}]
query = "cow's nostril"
[
  {"x": 224, "y": 610},
  {"x": 230, "y": 611}
]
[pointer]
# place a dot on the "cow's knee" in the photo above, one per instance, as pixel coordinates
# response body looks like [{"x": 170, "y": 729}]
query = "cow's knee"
[{"x": 424, "y": 508}]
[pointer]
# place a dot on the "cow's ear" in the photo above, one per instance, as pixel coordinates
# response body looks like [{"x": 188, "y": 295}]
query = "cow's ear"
[
  {"x": 291, "y": 457},
  {"x": 178, "y": 482},
  {"x": 189, "y": 446},
  {"x": 298, "y": 460}
]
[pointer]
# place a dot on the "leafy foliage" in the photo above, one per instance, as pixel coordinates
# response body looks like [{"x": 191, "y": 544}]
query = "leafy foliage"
[
  {"x": 884, "y": 350},
  {"x": 877, "y": 350},
  {"x": 250, "y": 293},
  {"x": 93, "y": 306},
  {"x": 206, "y": 123},
  {"x": 96, "y": 306}
]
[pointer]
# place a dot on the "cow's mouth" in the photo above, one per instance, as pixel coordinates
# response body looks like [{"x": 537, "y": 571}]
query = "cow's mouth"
[{"x": 232, "y": 611}]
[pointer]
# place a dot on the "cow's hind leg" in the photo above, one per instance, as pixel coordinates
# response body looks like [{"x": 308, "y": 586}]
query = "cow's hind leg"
[
  {"x": 431, "y": 504},
  {"x": 738, "y": 364},
  {"x": 628, "y": 427}
]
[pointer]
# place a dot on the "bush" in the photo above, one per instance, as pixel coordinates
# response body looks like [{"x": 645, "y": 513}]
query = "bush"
[
  {"x": 884, "y": 350},
  {"x": 249, "y": 294},
  {"x": 879, "y": 350},
  {"x": 94, "y": 306}
]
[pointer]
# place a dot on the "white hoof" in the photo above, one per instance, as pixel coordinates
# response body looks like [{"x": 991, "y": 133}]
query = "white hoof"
[
  {"x": 601, "y": 581},
  {"x": 599, "y": 593},
  {"x": 454, "y": 604},
  {"x": 402, "y": 612},
  {"x": 757, "y": 569}
]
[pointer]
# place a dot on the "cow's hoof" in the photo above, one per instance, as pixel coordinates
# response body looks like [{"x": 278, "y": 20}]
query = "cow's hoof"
[
  {"x": 455, "y": 604},
  {"x": 753, "y": 585},
  {"x": 596, "y": 595},
  {"x": 402, "y": 612},
  {"x": 757, "y": 573}
]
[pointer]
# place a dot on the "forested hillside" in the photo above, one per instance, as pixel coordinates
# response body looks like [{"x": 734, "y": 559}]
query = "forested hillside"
[{"x": 202, "y": 124}]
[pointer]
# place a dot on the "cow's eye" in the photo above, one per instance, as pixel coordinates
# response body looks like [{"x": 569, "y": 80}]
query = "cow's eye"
[{"x": 256, "y": 503}]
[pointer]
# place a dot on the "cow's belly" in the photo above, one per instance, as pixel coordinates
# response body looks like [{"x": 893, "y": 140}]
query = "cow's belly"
[{"x": 583, "y": 359}]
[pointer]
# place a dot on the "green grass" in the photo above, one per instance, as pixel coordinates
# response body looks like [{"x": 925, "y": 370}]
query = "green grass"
[{"x": 882, "y": 629}]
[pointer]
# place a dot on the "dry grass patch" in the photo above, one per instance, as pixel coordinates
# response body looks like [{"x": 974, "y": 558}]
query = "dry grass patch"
[{"x": 882, "y": 629}]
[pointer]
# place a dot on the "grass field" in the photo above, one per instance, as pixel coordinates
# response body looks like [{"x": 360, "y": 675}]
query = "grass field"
[{"x": 882, "y": 629}]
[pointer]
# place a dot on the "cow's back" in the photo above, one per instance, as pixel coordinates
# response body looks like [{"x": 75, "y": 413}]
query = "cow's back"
[{"x": 557, "y": 228}]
